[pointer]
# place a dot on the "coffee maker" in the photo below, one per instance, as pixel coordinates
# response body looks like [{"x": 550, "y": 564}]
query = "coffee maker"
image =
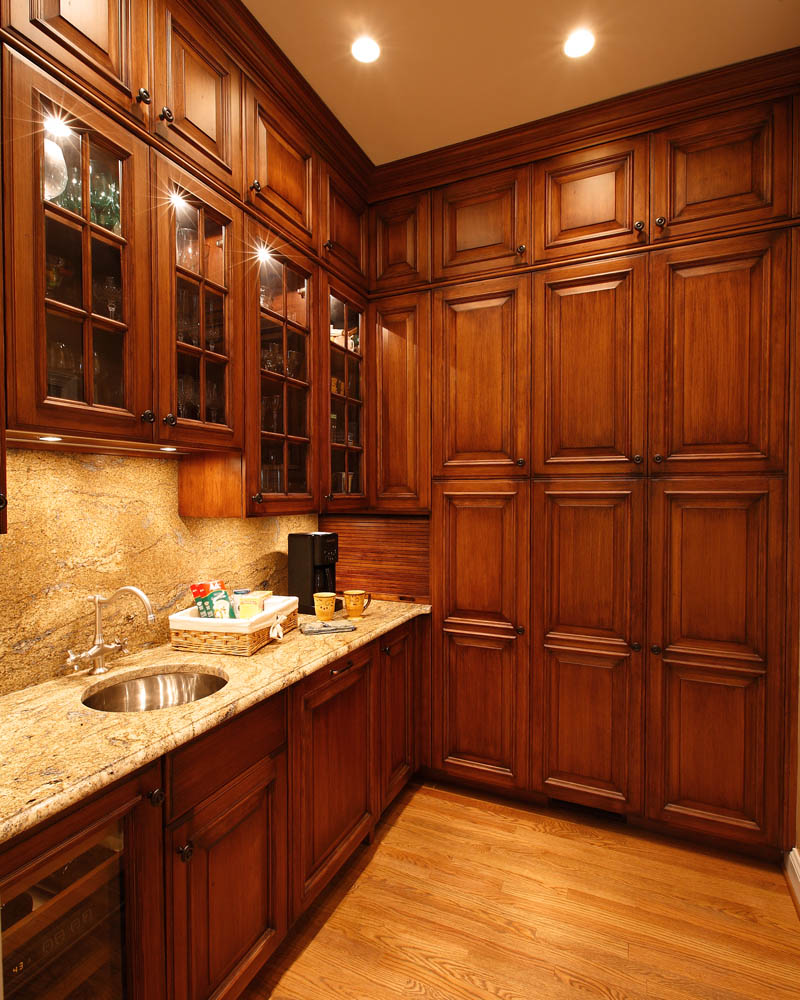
[{"x": 312, "y": 566}]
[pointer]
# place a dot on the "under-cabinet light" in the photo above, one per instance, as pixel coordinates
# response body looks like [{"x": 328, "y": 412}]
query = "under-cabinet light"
[
  {"x": 56, "y": 127},
  {"x": 168, "y": 448},
  {"x": 177, "y": 200},
  {"x": 50, "y": 439},
  {"x": 579, "y": 43}
]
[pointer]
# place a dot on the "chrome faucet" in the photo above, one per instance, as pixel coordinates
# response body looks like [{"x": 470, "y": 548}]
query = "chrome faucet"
[{"x": 97, "y": 654}]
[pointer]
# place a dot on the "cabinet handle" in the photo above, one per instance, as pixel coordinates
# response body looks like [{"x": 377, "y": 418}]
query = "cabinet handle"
[
  {"x": 520, "y": 630},
  {"x": 257, "y": 498},
  {"x": 256, "y": 186},
  {"x": 637, "y": 459},
  {"x": 166, "y": 114},
  {"x": 520, "y": 462},
  {"x": 655, "y": 650},
  {"x": 157, "y": 797},
  {"x": 661, "y": 222},
  {"x": 636, "y": 647},
  {"x": 171, "y": 420},
  {"x": 328, "y": 244},
  {"x": 341, "y": 670},
  {"x": 3, "y": 501},
  {"x": 185, "y": 853},
  {"x": 148, "y": 417},
  {"x": 521, "y": 250},
  {"x": 385, "y": 650},
  {"x": 658, "y": 459},
  {"x": 143, "y": 97},
  {"x": 639, "y": 226}
]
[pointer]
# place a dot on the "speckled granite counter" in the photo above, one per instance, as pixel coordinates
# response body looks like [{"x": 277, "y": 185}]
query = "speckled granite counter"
[{"x": 54, "y": 751}]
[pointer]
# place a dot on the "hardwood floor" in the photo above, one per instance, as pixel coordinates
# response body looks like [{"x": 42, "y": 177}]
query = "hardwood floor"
[{"x": 473, "y": 898}]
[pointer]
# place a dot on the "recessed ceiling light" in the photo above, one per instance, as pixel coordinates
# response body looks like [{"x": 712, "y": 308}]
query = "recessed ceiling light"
[
  {"x": 365, "y": 49},
  {"x": 579, "y": 43},
  {"x": 50, "y": 439},
  {"x": 168, "y": 448}
]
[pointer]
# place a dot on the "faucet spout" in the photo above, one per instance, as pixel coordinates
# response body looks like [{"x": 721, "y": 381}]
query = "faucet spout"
[{"x": 148, "y": 607}]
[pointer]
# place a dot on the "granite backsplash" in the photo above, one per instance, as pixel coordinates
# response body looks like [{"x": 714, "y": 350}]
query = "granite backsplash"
[{"x": 85, "y": 524}]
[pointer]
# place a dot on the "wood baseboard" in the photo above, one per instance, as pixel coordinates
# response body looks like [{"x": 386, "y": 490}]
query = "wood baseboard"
[{"x": 791, "y": 868}]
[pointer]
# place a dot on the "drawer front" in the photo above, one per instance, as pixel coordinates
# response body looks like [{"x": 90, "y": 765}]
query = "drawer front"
[{"x": 214, "y": 759}]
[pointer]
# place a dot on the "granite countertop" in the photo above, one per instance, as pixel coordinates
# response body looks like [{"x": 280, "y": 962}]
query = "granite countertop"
[{"x": 54, "y": 751}]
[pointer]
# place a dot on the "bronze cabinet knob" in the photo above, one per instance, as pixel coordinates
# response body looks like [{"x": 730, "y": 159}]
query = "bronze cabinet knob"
[
  {"x": 656, "y": 650},
  {"x": 148, "y": 417},
  {"x": 328, "y": 244},
  {"x": 256, "y": 186},
  {"x": 3, "y": 501},
  {"x": 522, "y": 249},
  {"x": 185, "y": 853},
  {"x": 166, "y": 114},
  {"x": 637, "y": 459},
  {"x": 636, "y": 647},
  {"x": 639, "y": 226},
  {"x": 157, "y": 797},
  {"x": 171, "y": 420},
  {"x": 661, "y": 222},
  {"x": 658, "y": 459},
  {"x": 143, "y": 96},
  {"x": 258, "y": 498}
]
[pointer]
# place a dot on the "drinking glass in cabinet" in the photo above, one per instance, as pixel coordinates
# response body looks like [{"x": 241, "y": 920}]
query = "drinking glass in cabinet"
[
  {"x": 296, "y": 421},
  {"x": 188, "y": 387},
  {"x": 271, "y": 407},
  {"x": 107, "y": 280},
  {"x": 186, "y": 235},
  {"x": 188, "y": 309},
  {"x": 353, "y": 331},
  {"x": 109, "y": 367},
  {"x": 271, "y": 467},
  {"x": 296, "y": 355},
  {"x": 296, "y": 298},
  {"x": 297, "y": 471},
  {"x": 64, "y": 358},
  {"x": 105, "y": 188},
  {"x": 271, "y": 346},
  {"x": 214, "y": 250},
  {"x": 271, "y": 277},
  {"x": 337, "y": 321},
  {"x": 63, "y": 263},
  {"x": 61, "y": 174},
  {"x": 215, "y": 392},
  {"x": 215, "y": 322}
]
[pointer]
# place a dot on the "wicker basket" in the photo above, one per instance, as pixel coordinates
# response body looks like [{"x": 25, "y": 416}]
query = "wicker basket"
[{"x": 234, "y": 637}]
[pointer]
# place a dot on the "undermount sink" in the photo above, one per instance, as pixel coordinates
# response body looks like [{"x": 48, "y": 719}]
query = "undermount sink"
[{"x": 149, "y": 692}]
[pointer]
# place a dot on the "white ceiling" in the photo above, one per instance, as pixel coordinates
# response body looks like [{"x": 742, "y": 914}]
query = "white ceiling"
[{"x": 456, "y": 69}]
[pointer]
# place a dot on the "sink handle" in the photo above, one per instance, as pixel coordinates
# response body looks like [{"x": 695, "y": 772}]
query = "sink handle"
[
  {"x": 73, "y": 662},
  {"x": 121, "y": 645}
]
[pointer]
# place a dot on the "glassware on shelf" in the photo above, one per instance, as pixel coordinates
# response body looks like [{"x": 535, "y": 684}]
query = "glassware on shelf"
[
  {"x": 104, "y": 189},
  {"x": 215, "y": 328},
  {"x": 188, "y": 309},
  {"x": 353, "y": 331},
  {"x": 214, "y": 250},
  {"x": 56, "y": 174},
  {"x": 272, "y": 410},
  {"x": 271, "y": 467},
  {"x": 296, "y": 298},
  {"x": 215, "y": 393},
  {"x": 297, "y": 472},
  {"x": 108, "y": 367}
]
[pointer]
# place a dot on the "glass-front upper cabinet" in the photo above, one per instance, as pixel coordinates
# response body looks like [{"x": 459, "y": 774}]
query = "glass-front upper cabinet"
[
  {"x": 280, "y": 455},
  {"x": 78, "y": 312},
  {"x": 345, "y": 418},
  {"x": 200, "y": 262}
]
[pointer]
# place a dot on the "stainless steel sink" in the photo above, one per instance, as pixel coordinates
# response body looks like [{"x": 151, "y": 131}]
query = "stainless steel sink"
[{"x": 152, "y": 691}]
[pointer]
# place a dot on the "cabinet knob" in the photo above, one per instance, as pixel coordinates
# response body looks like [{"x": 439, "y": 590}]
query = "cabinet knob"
[
  {"x": 636, "y": 647},
  {"x": 661, "y": 222},
  {"x": 166, "y": 114},
  {"x": 658, "y": 459},
  {"x": 148, "y": 417},
  {"x": 157, "y": 797},
  {"x": 637, "y": 459},
  {"x": 335, "y": 671},
  {"x": 520, "y": 462},
  {"x": 185, "y": 853},
  {"x": 328, "y": 244},
  {"x": 171, "y": 420},
  {"x": 522, "y": 249},
  {"x": 328, "y": 496},
  {"x": 385, "y": 650},
  {"x": 257, "y": 498},
  {"x": 256, "y": 186},
  {"x": 639, "y": 226},
  {"x": 3, "y": 501},
  {"x": 655, "y": 650},
  {"x": 520, "y": 630},
  {"x": 143, "y": 97}
]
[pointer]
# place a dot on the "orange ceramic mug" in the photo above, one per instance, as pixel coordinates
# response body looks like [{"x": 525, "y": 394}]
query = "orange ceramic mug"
[
  {"x": 356, "y": 602},
  {"x": 324, "y": 605}
]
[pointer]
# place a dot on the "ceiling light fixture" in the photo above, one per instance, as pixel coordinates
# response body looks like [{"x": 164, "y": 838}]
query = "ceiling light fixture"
[
  {"x": 50, "y": 439},
  {"x": 579, "y": 43},
  {"x": 365, "y": 49}
]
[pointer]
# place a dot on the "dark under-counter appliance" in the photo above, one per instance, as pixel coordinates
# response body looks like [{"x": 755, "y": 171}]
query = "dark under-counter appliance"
[{"x": 312, "y": 566}]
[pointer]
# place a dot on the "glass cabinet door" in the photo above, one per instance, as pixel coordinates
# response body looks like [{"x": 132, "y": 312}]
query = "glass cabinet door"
[
  {"x": 199, "y": 265},
  {"x": 346, "y": 395},
  {"x": 80, "y": 324}
]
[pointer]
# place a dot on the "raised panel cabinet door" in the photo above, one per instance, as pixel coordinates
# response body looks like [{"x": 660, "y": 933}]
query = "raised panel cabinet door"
[
  {"x": 482, "y": 224},
  {"x": 400, "y": 242},
  {"x": 592, "y": 199},
  {"x": 281, "y": 167},
  {"x": 397, "y": 712},
  {"x": 482, "y": 378},
  {"x": 79, "y": 350},
  {"x": 335, "y": 746},
  {"x": 718, "y": 356},
  {"x": 715, "y": 662},
  {"x": 197, "y": 93},
  {"x": 402, "y": 394},
  {"x": 589, "y": 563},
  {"x": 343, "y": 234},
  {"x": 724, "y": 171},
  {"x": 103, "y": 43},
  {"x": 226, "y": 883},
  {"x": 590, "y": 368}
]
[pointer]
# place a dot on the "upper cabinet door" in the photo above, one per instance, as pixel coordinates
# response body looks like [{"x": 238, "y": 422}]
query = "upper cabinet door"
[
  {"x": 197, "y": 93},
  {"x": 590, "y": 365},
  {"x": 592, "y": 200},
  {"x": 77, "y": 256},
  {"x": 720, "y": 172},
  {"x": 482, "y": 224},
  {"x": 343, "y": 235},
  {"x": 402, "y": 394},
  {"x": 281, "y": 167},
  {"x": 101, "y": 42},
  {"x": 400, "y": 242},
  {"x": 482, "y": 378},
  {"x": 718, "y": 350}
]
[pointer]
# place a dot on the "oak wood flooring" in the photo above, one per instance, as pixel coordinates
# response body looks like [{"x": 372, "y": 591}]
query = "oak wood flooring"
[{"x": 463, "y": 897}]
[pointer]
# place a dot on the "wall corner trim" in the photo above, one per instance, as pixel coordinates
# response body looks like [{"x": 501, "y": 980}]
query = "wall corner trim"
[{"x": 791, "y": 869}]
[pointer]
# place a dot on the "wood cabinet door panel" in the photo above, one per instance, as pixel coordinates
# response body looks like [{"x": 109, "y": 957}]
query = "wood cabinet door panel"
[
  {"x": 102, "y": 42},
  {"x": 344, "y": 226},
  {"x": 481, "y": 378},
  {"x": 400, "y": 242},
  {"x": 724, "y": 171},
  {"x": 591, "y": 199},
  {"x": 197, "y": 82},
  {"x": 718, "y": 356},
  {"x": 397, "y": 709},
  {"x": 401, "y": 354},
  {"x": 482, "y": 224},
  {"x": 590, "y": 365}
]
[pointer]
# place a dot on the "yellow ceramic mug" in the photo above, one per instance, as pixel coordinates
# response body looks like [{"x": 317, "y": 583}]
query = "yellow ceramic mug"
[
  {"x": 356, "y": 602},
  {"x": 324, "y": 605}
]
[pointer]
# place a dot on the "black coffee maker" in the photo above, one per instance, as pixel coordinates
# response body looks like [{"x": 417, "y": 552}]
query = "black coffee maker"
[{"x": 312, "y": 566}]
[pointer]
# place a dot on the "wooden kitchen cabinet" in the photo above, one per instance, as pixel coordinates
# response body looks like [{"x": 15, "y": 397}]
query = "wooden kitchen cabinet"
[
  {"x": 197, "y": 92},
  {"x": 590, "y": 368},
  {"x": 481, "y": 651},
  {"x": 343, "y": 233},
  {"x": 200, "y": 340},
  {"x": 589, "y": 576},
  {"x": 482, "y": 378},
  {"x": 718, "y": 356},
  {"x": 401, "y": 365},
  {"x": 723, "y": 171},
  {"x": 715, "y": 662},
  {"x": 336, "y": 793},
  {"x": 400, "y": 253},
  {"x": 3, "y": 494},
  {"x": 592, "y": 199},
  {"x": 398, "y": 731},
  {"x": 83, "y": 899},
  {"x": 102, "y": 43},
  {"x": 77, "y": 246}
]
